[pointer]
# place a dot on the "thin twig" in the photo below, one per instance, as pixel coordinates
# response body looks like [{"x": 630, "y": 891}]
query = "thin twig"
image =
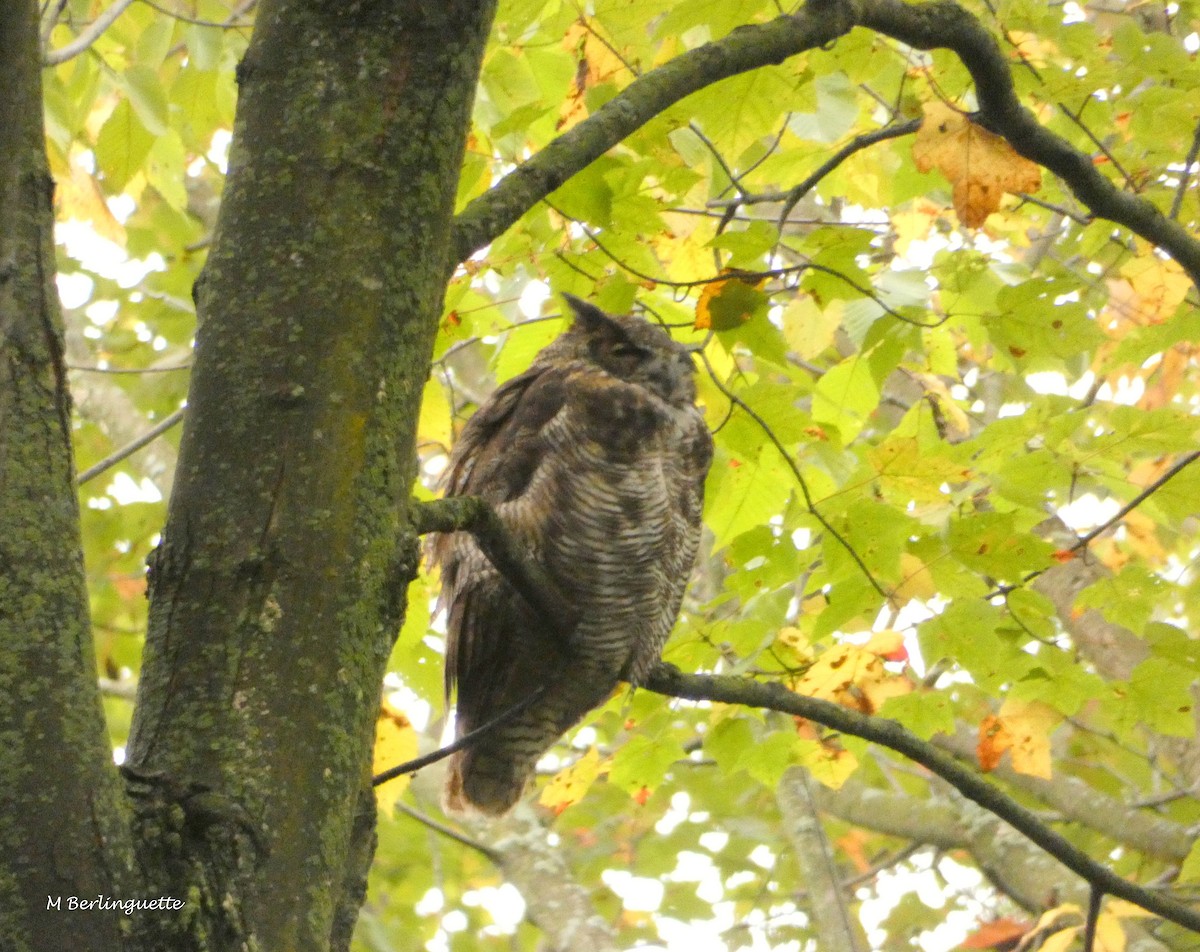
[
  {"x": 1137, "y": 500},
  {"x": 129, "y": 370},
  {"x": 1093, "y": 916},
  {"x": 857, "y": 144},
  {"x": 449, "y": 831},
  {"x": 88, "y": 36},
  {"x": 1076, "y": 118},
  {"x": 1186, "y": 175},
  {"x": 184, "y": 18},
  {"x": 809, "y": 502},
  {"x": 132, "y": 447}
]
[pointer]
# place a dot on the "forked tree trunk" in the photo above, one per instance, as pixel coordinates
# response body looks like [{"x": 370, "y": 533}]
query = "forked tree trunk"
[{"x": 280, "y": 582}]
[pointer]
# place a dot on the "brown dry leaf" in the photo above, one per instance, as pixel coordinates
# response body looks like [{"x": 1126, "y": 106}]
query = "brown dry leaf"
[
  {"x": 980, "y": 165},
  {"x": 395, "y": 743},
  {"x": 999, "y": 933}
]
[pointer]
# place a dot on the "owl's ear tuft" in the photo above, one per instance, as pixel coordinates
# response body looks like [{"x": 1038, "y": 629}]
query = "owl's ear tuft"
[{"x": 587, "y": 315}]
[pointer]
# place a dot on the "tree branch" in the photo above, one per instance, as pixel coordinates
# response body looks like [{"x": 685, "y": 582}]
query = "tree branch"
[
  {"x": 746, "y": 48},
  {"x": 475, "y": 515},
  {"x": 939, "y": 25},
  {"x": 88, "y": 36},
  {"x": 946, "y": 25},
  {"x": 773, "y": 696}
]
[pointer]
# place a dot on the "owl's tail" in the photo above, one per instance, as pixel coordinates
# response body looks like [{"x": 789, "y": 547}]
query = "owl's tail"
[
  {"x": 489, "y": 776},
  {"x": 485, "y": 782}
]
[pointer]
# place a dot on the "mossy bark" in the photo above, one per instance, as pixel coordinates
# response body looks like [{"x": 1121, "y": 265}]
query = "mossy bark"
[
  {"x": 280, "y": 581},
  {"x": 62, "y": 833}
]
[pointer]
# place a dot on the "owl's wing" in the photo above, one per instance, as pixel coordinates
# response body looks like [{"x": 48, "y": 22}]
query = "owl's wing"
[{"x": 489, "y": 626}]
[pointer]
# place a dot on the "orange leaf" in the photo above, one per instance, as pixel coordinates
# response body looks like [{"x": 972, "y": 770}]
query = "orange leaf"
[
  {"x": 979, "y": 164},
  {"x": 994, "y": 740},
  {"x": 998, "y": 934}
]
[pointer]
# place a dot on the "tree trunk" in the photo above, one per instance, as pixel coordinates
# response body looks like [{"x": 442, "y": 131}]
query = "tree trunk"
[
  {"x": 279, "y": 585},
  {"x": 62, "y": 835}
]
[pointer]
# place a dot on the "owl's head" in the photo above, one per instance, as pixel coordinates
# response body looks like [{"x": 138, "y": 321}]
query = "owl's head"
[{"x": 629, "y": 349}]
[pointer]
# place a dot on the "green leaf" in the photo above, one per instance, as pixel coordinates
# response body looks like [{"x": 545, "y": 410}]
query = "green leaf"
[
  {"x": 148, "y": 98},
  {"x": 122, "y": 146},
  {"x": 845, "y": 397}
]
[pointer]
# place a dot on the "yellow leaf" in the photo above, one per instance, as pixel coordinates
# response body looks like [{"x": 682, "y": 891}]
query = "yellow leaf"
[
  {"x": 395, "y": 743},
  {"x": 1060, "y": 941},
  {"x": 979, "y": 164},
  {"x": 914, "y": 224},
  {"x": 1051, "y": 916},
  {"x": 794, "y": 642},
  {"x": 683, "y": 249},
  {"x": 1032, "y": 48},
  {"x": 853, "y": 677},
  {"x": 916, "y": 581},
  {"x": 888, "y": 644},
  {"x": 909, "y": 474},
  {"x": 830, "y": 766},
  {"x": 1110, "y": 937},
  {"x": 1123, "y": 909},
  {"x": 569, "y": 785},
  {"x": 78, "y": 196},
  {"x": 808, "y": 328},
  {"x": 1030, "y": 723},
  {"x": 595, "y": 63},
  {"x": 435, "y": 424},
  {"x": 1158, "y": 286},
  {"x": 954, "y": 424}
]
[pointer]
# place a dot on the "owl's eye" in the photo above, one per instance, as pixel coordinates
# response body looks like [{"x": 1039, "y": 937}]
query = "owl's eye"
[{"x": 627, "y": 351}]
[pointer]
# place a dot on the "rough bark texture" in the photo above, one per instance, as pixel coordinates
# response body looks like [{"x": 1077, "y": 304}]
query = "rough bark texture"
[
  {"x": 837, "y": 930},
  {"x": 279, "y": 585},
  {"x": 555, "y": 901},
  {"x": 61, "y": 832}
]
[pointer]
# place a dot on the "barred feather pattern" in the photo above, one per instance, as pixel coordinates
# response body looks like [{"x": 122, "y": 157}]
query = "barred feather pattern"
[{"x": 595, "y": 458}]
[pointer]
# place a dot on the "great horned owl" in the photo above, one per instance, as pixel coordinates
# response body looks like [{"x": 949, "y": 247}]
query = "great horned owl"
[{"x": 595, "y": 459}]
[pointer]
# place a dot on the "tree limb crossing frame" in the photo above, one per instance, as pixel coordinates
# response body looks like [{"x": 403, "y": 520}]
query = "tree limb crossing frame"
[{"x": 474, "y": 515}]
